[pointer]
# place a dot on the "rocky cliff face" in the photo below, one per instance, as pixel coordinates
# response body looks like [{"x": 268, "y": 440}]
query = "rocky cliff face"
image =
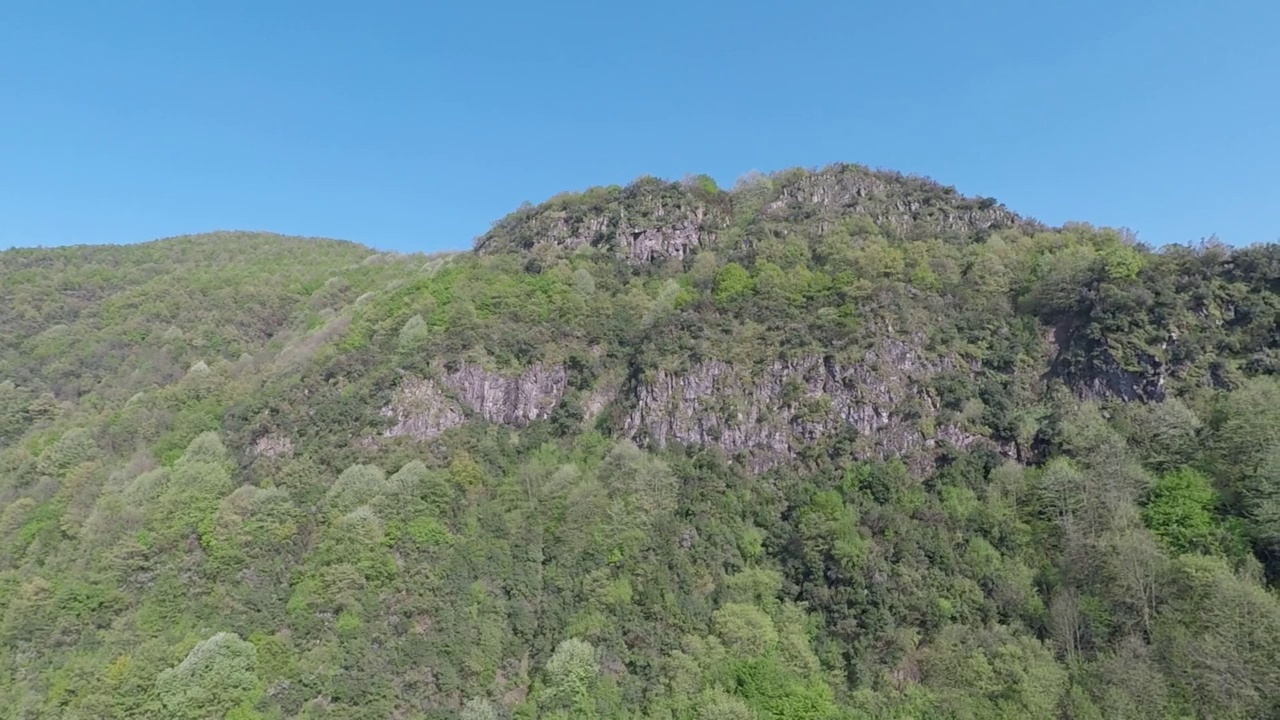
[
  {"x": 675, "y": 232},
  {"x": 1089, "y": 367},
  {"x": 514, "y": 400},
  {"x": 675, "y": 240},
  {"x": 646, "y": 222},
  {"x": 767, "y": 418},
  {"x": 890, "y": 200},
  {"x": 763, "y": 418},
  {"x": 424, "y": 408},
  {"x": 1111, "y": 381},
  {"x": 419, "y": 409},
  {"x": 651, "y": 220},
  {"x": 273, "y": 445}
]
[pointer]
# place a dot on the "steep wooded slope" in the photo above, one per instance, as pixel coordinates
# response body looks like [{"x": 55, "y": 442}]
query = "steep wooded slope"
[{"x": 838, "y": 443}]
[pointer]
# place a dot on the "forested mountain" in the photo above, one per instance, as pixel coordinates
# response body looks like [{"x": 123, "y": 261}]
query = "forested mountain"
[{"x": 834, "y": 444}]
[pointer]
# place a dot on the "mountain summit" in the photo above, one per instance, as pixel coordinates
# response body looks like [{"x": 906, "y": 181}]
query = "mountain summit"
[{"x": 833, "y": 444}]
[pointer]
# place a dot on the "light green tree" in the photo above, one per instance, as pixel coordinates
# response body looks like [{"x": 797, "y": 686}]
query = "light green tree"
[
  {"x": 218, "y": 676},
  {"x": 570, "y": 679},
  {"x": 716, "y": 704},
  {"x": 732, "y": 282},
  {"x": 1218, "y": 639},
  {"x": 745, "y": 629},
  {"x": 478, "y": 709},
  {"x": 1180, "y": 511},
  {"x": 357, "y": 485}
]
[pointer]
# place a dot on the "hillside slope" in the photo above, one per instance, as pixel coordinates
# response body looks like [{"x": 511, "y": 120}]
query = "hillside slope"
[{"x": 837, "y": 443}]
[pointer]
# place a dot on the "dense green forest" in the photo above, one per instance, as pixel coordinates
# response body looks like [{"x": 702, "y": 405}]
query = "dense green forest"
[{"x": 834, "y": 444}]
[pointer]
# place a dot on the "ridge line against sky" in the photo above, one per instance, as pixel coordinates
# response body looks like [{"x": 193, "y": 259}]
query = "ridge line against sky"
[{"x": 413, "y": 128}]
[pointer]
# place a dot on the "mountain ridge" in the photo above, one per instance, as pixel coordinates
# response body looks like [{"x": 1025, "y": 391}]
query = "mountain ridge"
[{"x": 835, "y": 444}]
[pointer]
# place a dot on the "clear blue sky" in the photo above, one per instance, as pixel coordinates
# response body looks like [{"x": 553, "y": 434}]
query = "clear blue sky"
[{"x": 414, "y": 125}]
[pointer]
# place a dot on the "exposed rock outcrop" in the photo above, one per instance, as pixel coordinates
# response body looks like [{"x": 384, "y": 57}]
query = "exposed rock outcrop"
[
  {"x": 643, "y": 245},
  {"x": 1091, "y": 369},
  {"x": 595, "y": 401},
  {"x": 764, "y": 418},
  {"x": 890, "y": 200},
  {"x": 514, "y": 400},
  {"x": 273, "y": 445},
  {"x": 646, "y": 222},
  {"x": 1114, "y": 382},
  {"x": 651, "y": 220},
  {"x": 420, "y": 410},
  {"x": 769, "y": 416},
  {"x": 424, "y": 408}
]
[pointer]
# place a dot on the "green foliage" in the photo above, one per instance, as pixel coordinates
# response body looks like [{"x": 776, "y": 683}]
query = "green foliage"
[
  {"x": 479, "y": 709},
  {"x": 1180, "y": 512},
  {"x": 1243, "y": 428},
  {"x": 719, "y": 705},
  {"x": 1219, "y": 640},
  {"x": 414, "y": 333},
  {"x": 1261, "y": 501},
  {"x": 745, "y": 630},
  {"x": 570, "y": 679},
  {"x": 837, "y": 443},
  {"x": 1122, "y": 262},
  {"x": 732, "y": 282},
  {"x": 703, "y": 183},
  {"x": 1164, "y": 434},
  {"x": 776, "y": 693},
  {"x": 993, "y": 674},
  {"x": 252, "y": 527},
  {"x": 218, "y": 676},
  {"x": 357, "y": 485}
]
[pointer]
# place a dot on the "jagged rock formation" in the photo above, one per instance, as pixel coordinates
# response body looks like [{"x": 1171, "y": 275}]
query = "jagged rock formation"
[
  {"x": 506, "y": 399},
  {"x": 422, "y": 409},
  {"x": 763, "y": 418},
  {"x": 1111, "y": 381},
  {"x": 767, "y": 417},
  {"x": 652, "y": 220},
  {"x": 648, "y": 221},
  {"x": 890, "y": 200},
  {"x": 1089, "y": 366},
  {"x": 273, "y": 445}
]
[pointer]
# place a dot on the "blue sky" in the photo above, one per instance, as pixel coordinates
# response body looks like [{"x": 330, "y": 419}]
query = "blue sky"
[{"x": 414, "y": 125}]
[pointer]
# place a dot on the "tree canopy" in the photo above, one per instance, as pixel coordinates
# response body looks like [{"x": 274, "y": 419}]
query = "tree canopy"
[{"x": 833, "y": 444}]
